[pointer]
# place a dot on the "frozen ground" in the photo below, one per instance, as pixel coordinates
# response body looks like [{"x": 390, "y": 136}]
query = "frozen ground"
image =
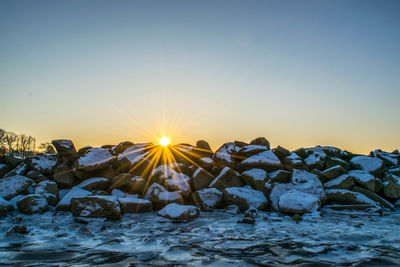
[{"x": 213, "y": 239}]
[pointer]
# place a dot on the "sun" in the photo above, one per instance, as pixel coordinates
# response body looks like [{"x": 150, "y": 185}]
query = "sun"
[{"x": 164, "y": 141}]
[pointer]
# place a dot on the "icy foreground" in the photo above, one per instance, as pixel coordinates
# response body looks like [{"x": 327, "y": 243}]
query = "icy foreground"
[{"x": 213, "y": 239}]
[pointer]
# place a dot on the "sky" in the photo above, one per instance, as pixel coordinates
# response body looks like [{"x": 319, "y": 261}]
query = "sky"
[{"x": 300, "y": 73}]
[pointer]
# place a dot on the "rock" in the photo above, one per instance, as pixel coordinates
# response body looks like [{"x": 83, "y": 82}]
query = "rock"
[
  {"x": 65, "y": 202},
  {"x": 121, "y": 147},
  {"x": 383, "y": 202},
  {"x": 346, "y": 197},
  {"x": 296, "y": 202},
  {"x": 302, "y": 181},
  {"x": 35, "y": 176},
  {"x": 333, "y": 172},
  {"x": 391, "y": 187},
  {"x": 332, "y": 161},
  {"x": 160, "y": 197},
  {"x": 245, "y": 197},
  {"x": 44, "y": 164},
  {"x": 301, "y": 152},
  {"x": 129, "y": 183},
  {"x": 64, "y": 146},
  {"x": 206, "y": 163},
  {"x": 121, "y": 194},
  {"x": 364, "y": 179},
  {"x": 95, "y": 183},
  {"x": 315, "y": 161},
  {"x": 96, "y": 206},
  {"x": 5, "y": 206},
  {"x": 225, "y": 155},
  {"x": 250, "y": 150},
  {"x": 280, "y": 176},
  {"x": 265, "y": 160},
  {"x": 12, "y": 186},
  {"x": 203, "y": 145},
  {"x": 261, "y": 141},
  {"x": 95, "y": 159},
  {"x": 227, "y": 178},
  {"x": 297, "y": 218},
  {"x": 281, "y": 152},
  {"x": 327, "y": 151},
  {"x": 19, "y": 229},
  {"x": 3, "y": 169},
  {"x": 163, "y": 172},
  {"x": 133, "y": 160},
  {"x": 84, "y": 149},
  {"x": 362, "y": 207},
  {"x": 64, "y": 176},
  {"x": 49, "y": 190},
  {"x": 21, "y": 169},
  {"x": 248, "y": 218},
  {"x": 374, "y": 166},
  {"x": 208, "y": 199},
  {"x": 180, "y": 182},
  {"x": 390, "y": 159},
  {"x": 11, "y": 161},
  {"x": 292, "y": 161},
  {"x": 344, "y": 181},
  {"x": 134, "y": 205},
  {"x": 394, "y": 170},
  {"x": 32, "y": 204},
  {"x": 175, "y": 211},
  {"x": 233, "y": 209},
  {"x": 201, "y": 179},
  {"x": 255, "y": 178}
]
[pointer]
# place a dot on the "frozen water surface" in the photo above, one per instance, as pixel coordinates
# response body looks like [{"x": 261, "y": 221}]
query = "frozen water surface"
[{"x": 213, "y": 239}]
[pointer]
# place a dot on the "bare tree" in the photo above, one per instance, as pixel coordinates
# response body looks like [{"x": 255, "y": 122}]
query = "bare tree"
[
  {"x": 23, "y": 144},
  {"x": 11, "y": 139},
  {"x": 3, "y": 142},
  {"x": 47, "y": 148}
]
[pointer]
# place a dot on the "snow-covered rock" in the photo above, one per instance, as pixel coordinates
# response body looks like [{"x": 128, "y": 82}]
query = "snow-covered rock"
[
  {"x": 383, "y": 202},
  {"x": 49, "y": 190},
  {"x": 261, "y": 141},
  {"x": 95, "y": 183},
  {"x": 64, "y": 146},
  {"x": 65, "y": 202},
  {"x": 5, "y": 206},
  {"x": 333, "y": 172},
  {"x": 13, "y": 185},
  {"x": 121, "y": 194},
  {"x": 32, "y": 204},
  {"x": 132, "y": 157},
  {"x": 296, "y": 202},
  {"x": 225, "y": 155},
  {"x": 129, "y": 183},
  {"x": 344, "y": 181},
  {"x": 96, "y": 206},
  {"x": 175, "y": 211},
  {"x": 160, "y": 197},
  {"x": 255, "y": 178},
  {"x": 265, "y": 160},
  {"x": 201, "y": 179},
  {"x": 315, "y": 161},
  {"x": 134, "y": 205},
  {"x": 390, "y": 158},
  {"x": 292, "y": 161},
  {"x": 206, "y": 163},
  {"x": 64, "y": 175},
  {"x": 245, "y": 197},
  {"x": 374, "y": 166},
  {"x": 250, "y": 150},
  {"x": 45, "y": 164},
  {"x": 279, "y": 176},
  {"x": 391, "y": 187},
  {"x": 227, "y": 178},
  {"x": 346, "y": 197},
  {"x": 364, "y": 179},
  {"x": 95, "y": 159},
  {"x": 3, "y": 169},
  {"x": 21, "y": 169},
  {"x": 179, "y": 182},
  {"x": 208, "y": 198}
]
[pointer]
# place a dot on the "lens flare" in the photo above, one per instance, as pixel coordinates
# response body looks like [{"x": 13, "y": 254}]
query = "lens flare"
[{"x": 164, "y": 141}]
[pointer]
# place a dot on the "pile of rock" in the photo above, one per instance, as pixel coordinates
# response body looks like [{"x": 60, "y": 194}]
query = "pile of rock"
[{"x": 181, "y": 180}]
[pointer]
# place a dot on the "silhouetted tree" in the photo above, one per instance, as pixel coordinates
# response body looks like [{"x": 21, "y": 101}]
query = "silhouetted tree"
[{"x": 47, "y": 148}]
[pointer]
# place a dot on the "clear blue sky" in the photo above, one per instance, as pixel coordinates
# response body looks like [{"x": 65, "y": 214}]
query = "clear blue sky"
[{"x": 300, "y": 73}]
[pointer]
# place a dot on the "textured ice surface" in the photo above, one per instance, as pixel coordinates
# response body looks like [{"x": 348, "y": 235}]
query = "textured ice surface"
[{"x": 213, "y": 239}]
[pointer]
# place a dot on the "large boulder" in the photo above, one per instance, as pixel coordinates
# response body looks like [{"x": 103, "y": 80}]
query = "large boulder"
[
  {"x": 175, "y": 211},
  {"x": 49, "y": 190},
  {"x": 383, "y": 202},
  {"x": 64, "y": 146},
  {"x": 374, "y": 166},
  {"x": 208, "y": 199},
  {"x": 344, "y": 181},
  {"x": 346, "y": 197},
  {"x": 226, "y": 154},
  {"x": 12, "y": 186},
  {"x": 135, "y": 205},
  {"x": 160, "y": 197},
  {"x": 95, "y": 183},
  {"x": 129, "y": 183},
  {"x": 292, "y": 161},
  {"x": 227, "y": 178},
  {"x": 279, "y": 176},
  {"x": 3, "y": 169},
  {"x": 391, "y": 159},
  {"x": 45, "y": 164},
  {"x": 95, "y": 159},
  {"x": 5, "y": 206},
  {"x": 391, "y": 187},
  {"x": 265, "y": 160},
  {"x": 121, "y": 147},
  {"x": 65, "y": 202},
  {"x": 202, "y": 144},
  {"x": 96, "y": 206},
  {"x": 245, "y": 197},
  {"x": 261, "y": 141},
  {"x": 201, "y": 179},
  {"x": 315, "y": 161},
  {"x": 134, "y": 159},
  {"x": 21, "y": 169},
  {"x": 32, "y": 204},
  {"x": 364, "y": 179},
  {"x": 64, "y": 175},
  {"x": 255, "y": 178},
  {"x": 296, "y": 202},
  {"x": 333, "y": 172},
  {"x": 250, "y": 150}
]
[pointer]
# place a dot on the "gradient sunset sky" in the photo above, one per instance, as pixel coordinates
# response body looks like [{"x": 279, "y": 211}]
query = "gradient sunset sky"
[{"x": 300, "y": 73}]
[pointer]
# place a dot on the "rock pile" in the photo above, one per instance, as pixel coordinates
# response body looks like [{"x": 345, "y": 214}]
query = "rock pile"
[{"x": 179, "y": 181}]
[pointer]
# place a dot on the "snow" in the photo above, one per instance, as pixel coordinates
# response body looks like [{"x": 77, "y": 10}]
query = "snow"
[
  {"x": 175, "y": 211},
  {"x": 361, "y": 176},
  {"x": 337, "y": 181},
  {"x": 15, "y": 199},
  {"x": 121, "y": 194},
  {"x": 209, "y": 197},
  {"x": 207, "y": 160},
  {"x": 13, "y": 185},
  {"x": 225, "y": 151},
  {"x": 65, "y": 143},
  {"x": 298, "y": 202},
  {"x": 133, "y": 200},
  {"x": 253, "y": 197},
  {"x": 169, "y": 196},
  {"x": 360, "y": 198},
  {"x": 134, "y": 154},
  {"x": 89, "y": 209},
  {"x": 180, "y": 182},
  {"x": 367, "y": 163},
  {"x": 38, "y": 202},
  {"x": 264, "y": 157},
  {"x": 91, "y": 181},
  {"x": 313, "y": 159},
  {"x": 44, "y": 162},
  {"x": 256, "y": 174},
  {"x": 250, "y": 148},
  {"x": 76, "y": 191},
  {"x": 95, "y": 156},
  {"x": 5, "y": 205}
]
